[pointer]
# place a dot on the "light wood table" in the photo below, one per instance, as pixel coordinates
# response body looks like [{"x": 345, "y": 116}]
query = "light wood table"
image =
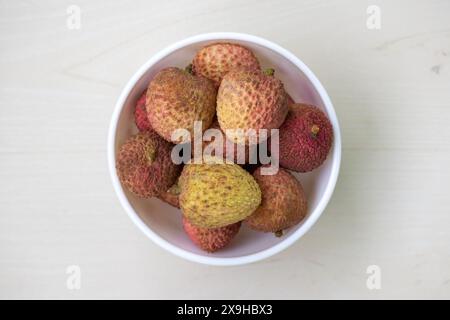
[{"x": 391, "y": 207}]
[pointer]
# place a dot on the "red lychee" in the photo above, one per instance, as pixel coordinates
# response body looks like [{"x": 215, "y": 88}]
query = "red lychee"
[
  {"x": 250, "y": 99},
  {"x": 140, "y": 115},
  {"x": 144, "y": 165},
  {"x": 177, "y": 99},
  {"x": 306, "y": 137},
  {"x": 217, "y": 59},
  {"x": 211, "y": 240},
  {"x": 283, "y": 202}
]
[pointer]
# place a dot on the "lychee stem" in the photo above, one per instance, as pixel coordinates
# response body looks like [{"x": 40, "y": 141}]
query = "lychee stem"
[
  {"x": 150, "y": 154},
  {"x": 189, "y": 69},
  {"x": 269, "y": 71},
  {"x": 278, "y": 233},
  {"x": 175, "y": 189},
  {"x": 315, "y": 130}
]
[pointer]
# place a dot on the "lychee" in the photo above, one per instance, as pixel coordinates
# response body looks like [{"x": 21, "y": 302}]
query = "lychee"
[
  {"x": 283, "y": 202},
  {"x": 215, "y": 60},
  {"x": 144, "y": 165},
  {"x": 140, "y": 114},
  {"x": 176, "y": 99},
  {"x": 250, "y": 99},
  {"x": 214, "y": 194},
  {"x": 211, "y": 240},
  {"x": 240, "y": 154},
  {"x": 305, "y": 138}
]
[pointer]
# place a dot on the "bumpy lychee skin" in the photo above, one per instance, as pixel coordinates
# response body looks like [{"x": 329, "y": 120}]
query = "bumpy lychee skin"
[
  {"x": 240, "y": 154},
  {"x": 216, "y": 195},
  {"x": 305, "y": 138},
  {"x": 217, "y": 59},
  {"x": 283, "y": 202},
  {"x": 140, "y": 115},
  {"x": 250, "y": 99},
  {"x": 176, "y": 98},
  {"x": 211, "y": 240},
  {"x": 144, "y": 165}
]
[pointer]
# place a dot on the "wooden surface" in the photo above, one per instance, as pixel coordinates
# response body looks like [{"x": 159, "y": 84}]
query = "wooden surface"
[{"x": 391, "y": 207}]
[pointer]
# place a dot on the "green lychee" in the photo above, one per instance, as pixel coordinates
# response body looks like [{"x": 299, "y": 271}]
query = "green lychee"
[{"x": 216, "y": 194}]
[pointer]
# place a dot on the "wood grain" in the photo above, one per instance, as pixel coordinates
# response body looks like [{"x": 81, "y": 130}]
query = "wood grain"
[{"x": 391, "y": 207}]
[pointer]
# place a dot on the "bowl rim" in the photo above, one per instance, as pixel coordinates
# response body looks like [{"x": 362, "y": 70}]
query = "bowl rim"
[{"x": 289, "y": 240}]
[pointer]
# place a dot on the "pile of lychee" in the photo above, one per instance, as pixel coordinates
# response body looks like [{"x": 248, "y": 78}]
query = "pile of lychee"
[{"x": 225, "y": 88}]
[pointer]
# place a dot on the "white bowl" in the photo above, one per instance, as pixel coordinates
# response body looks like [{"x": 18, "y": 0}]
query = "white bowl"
[{"x": 161, "y": 222}]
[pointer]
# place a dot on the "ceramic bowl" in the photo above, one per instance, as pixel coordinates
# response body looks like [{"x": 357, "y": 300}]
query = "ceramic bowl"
[{"x": 161, "y": 222}]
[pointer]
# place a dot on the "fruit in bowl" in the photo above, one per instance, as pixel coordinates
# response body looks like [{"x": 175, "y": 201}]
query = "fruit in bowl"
[
  {"x": 305, "y": 138},
  {"x": 176, "y": 98},
  {"x": 215, "y": 60},
  {"x": 211, "y": 57},
  {"x": 250, "y": 99},
  {"x": 218, "y": 196},
  {"x": 144, "y": 165}
]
